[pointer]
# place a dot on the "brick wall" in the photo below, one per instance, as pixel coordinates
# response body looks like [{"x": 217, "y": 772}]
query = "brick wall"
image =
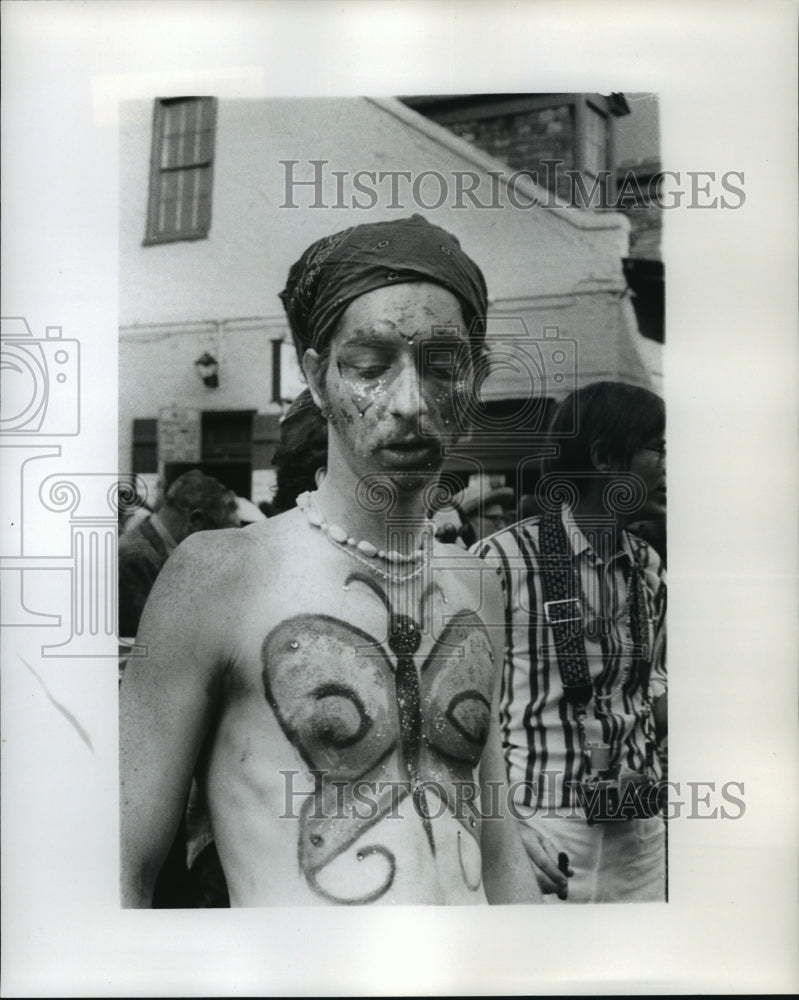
[{"x": 524, "y": 139}]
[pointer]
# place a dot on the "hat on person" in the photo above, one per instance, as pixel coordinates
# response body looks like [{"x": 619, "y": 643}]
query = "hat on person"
[
  {"x": 194, "y": 490},
  {"x": 471, "y": 499}
]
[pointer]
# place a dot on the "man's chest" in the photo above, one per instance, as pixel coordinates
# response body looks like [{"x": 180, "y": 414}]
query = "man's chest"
[
  {"x": 352, "y": 666},
  {"x": 377, "y": 699}
]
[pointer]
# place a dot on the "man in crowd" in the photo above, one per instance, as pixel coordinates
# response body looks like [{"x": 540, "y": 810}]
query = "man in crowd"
[
  {"x": 194, "y": 502},
  {"x": 583, "y": 706},
  {"x": 301, "y": 452},
  {"x": 488, "y": 510},
  {"x": 327, "y": 673}
]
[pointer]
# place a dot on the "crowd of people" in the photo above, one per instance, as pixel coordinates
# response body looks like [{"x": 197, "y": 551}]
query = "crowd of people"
[{"x": 374, "y": 694}]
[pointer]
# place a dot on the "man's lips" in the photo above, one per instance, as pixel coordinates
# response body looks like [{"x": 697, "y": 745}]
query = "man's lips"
[
  {"x": 411, "y": 444},
  {"x": 415, "y": 449}
]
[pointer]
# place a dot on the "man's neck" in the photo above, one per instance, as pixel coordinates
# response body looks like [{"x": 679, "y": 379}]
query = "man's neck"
[
  {"x": 172, "y": 522},
  {"x": 340, "y": 504},
  {"x": 592, "y": 518}
]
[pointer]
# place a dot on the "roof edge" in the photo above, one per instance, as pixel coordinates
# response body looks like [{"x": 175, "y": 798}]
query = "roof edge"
[{"x": 577, "y": 218}]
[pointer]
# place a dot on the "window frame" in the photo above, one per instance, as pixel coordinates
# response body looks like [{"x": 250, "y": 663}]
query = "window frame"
[{"x": 153, "y": 235}]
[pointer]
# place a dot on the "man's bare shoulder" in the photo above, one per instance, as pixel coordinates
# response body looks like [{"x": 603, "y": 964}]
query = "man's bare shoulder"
[
  {"x": 209, "y": 565},
  {"x": 219, "y": 550},
  {"x": 276, "y": 529}
]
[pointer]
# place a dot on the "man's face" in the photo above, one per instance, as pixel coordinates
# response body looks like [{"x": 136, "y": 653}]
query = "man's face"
[
  {"x": 398, "y": 361},
  {"x": 649, "y": 464}
]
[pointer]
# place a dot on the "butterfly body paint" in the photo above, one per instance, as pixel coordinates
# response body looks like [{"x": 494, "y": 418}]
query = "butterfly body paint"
[{"x": 363, "y": 716}]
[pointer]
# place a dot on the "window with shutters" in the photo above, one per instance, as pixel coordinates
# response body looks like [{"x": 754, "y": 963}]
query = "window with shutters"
[
  {"x": 145, "y": 445},
  {"x": 181, "y": 169}
]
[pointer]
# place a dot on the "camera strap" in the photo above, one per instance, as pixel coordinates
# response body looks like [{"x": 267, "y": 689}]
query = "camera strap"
[{"x": 563, "y": 611}]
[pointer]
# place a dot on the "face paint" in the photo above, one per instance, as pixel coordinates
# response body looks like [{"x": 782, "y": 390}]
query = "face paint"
[
  {"x": 394, "y": 376},
  {"x": 384, "y": 721}
]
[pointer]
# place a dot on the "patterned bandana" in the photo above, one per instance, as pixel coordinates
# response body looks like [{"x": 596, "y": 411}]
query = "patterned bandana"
[{"x": 337, "y": 269}]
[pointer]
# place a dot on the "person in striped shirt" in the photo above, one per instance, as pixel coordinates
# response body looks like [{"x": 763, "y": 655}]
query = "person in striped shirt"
[{"x": 583, "y": 693}]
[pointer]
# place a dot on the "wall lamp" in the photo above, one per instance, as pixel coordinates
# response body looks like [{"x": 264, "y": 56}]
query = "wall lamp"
[{"x": 208, "y": 369}]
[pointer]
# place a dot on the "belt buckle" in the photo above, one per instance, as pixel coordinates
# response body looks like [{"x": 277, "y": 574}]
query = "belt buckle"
[{"x": 562, "y": 621}]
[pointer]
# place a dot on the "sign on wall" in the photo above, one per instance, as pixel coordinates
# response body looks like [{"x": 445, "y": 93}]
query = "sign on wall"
[{"x": 179, "y": 438}]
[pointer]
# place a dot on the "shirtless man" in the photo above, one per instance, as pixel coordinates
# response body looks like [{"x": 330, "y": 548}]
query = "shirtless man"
[{"x": 327, "y": 674}]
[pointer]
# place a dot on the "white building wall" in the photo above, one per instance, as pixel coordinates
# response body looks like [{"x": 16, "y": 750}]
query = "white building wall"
[{"x": 554, "y": 266}]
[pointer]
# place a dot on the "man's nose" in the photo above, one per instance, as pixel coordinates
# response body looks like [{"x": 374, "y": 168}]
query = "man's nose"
[{"x": 408, "y": 397}]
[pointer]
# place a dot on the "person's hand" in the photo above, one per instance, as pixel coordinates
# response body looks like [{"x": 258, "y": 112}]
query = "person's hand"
[{"x": 551, "y": 866}]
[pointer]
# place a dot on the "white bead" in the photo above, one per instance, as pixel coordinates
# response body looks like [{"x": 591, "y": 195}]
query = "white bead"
[
  {"x": 367, "y": 549},
  {"x": 337, "y": 534}
]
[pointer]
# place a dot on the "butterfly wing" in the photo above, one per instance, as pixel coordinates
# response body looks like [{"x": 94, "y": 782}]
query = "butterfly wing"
[
  {"x": 331, "y": 687},
  {"x": 457, "y": 679}
]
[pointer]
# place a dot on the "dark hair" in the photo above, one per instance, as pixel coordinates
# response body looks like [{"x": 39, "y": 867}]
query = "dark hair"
[
  {"x": 196, "y": 491},
  {"x": 614, "y": 418},
  {"x": 302, "y": 450}
]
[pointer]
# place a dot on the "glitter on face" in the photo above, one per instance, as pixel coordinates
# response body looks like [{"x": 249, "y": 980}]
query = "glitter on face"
[{"x": 390, "y": 407}]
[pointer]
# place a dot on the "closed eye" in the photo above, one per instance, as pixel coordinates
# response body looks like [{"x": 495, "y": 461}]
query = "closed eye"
[{"x": 364, "y": 373}]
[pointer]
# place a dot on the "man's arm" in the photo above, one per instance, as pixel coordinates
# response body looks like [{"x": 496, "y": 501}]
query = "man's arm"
[
  {"x": 508, "y": 875},
  {"x": 655, "y": 582},
  {"x": 167, "y": 701},
  {"x": 136, "y": 579}
]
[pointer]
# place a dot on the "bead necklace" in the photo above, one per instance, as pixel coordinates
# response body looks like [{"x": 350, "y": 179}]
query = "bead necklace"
[{"x": 363, "y": 551}]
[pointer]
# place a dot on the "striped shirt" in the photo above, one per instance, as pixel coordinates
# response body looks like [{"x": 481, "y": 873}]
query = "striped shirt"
[{"x": 540, "y": 736}]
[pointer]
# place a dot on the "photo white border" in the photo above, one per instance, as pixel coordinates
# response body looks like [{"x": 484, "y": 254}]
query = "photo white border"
[{"x": 726, "y": 76}]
